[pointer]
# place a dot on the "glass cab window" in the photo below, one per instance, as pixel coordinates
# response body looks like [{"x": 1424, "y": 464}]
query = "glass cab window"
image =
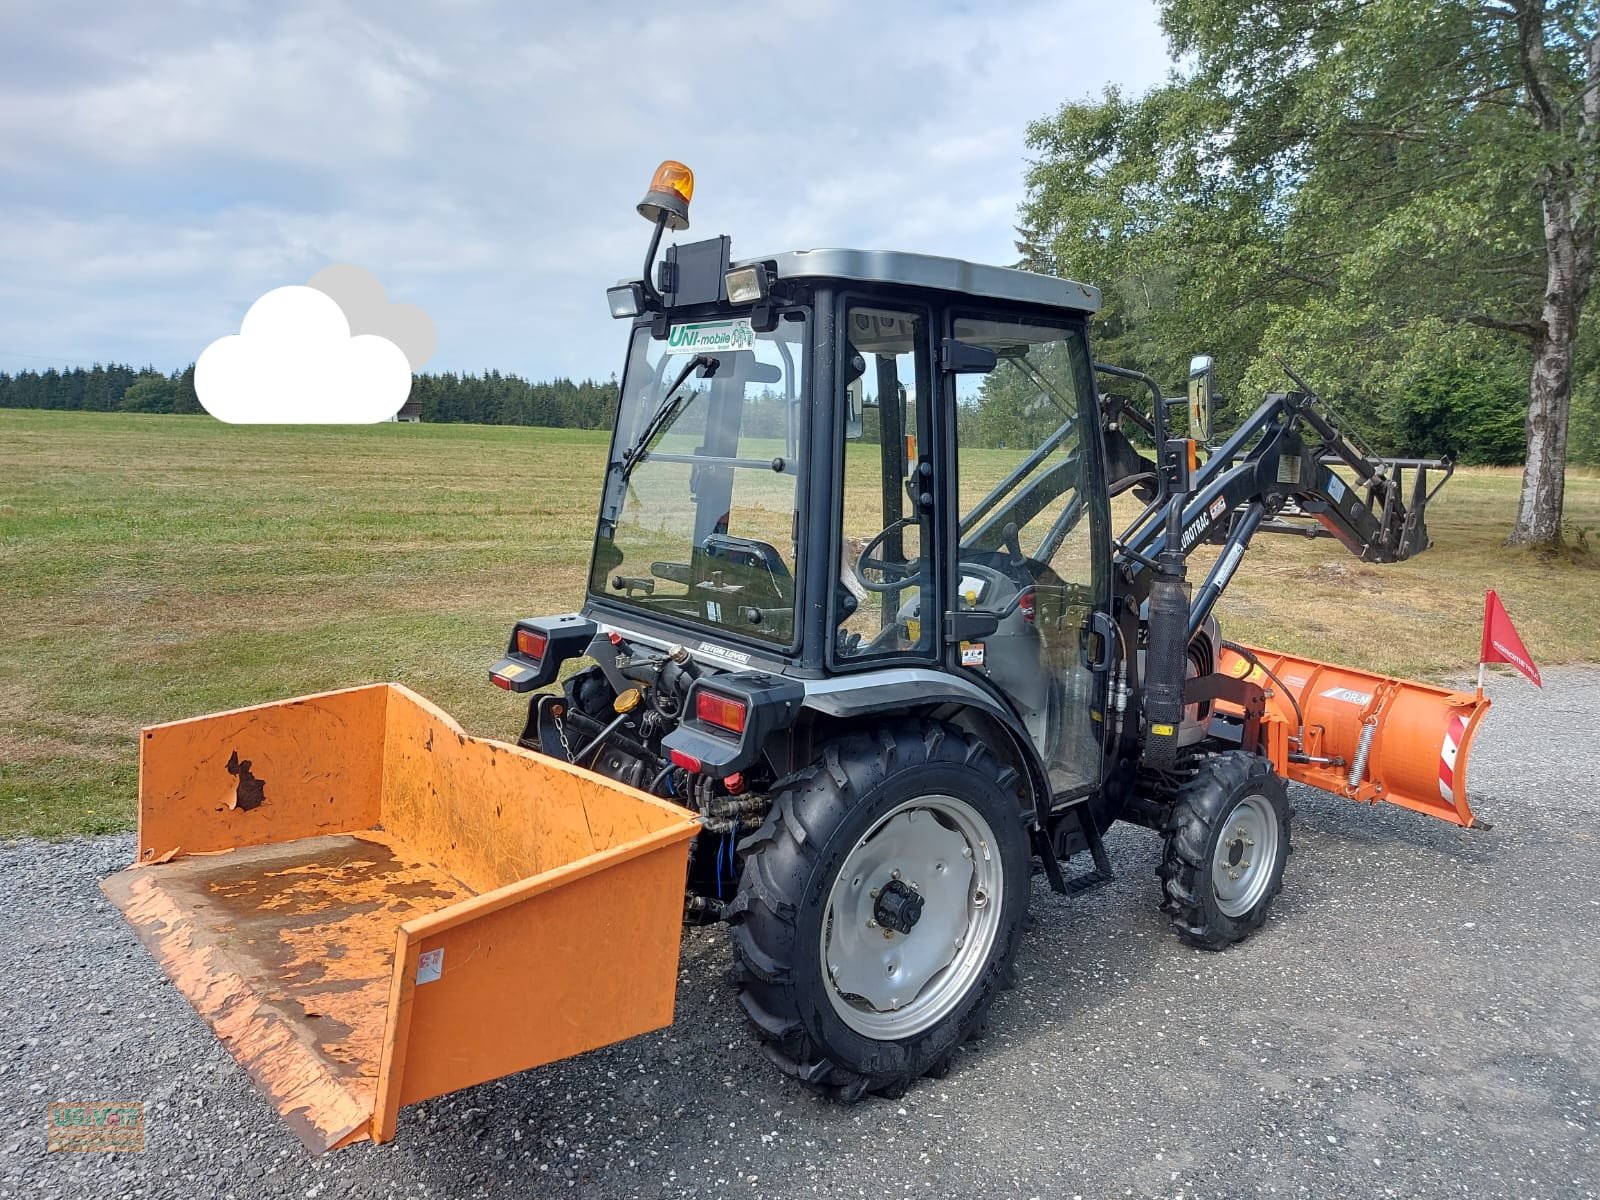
[
  {"x": 884, "y": 588},
  {"x": 699, "y": 518},
  {"x": 1025, "y": 536}
]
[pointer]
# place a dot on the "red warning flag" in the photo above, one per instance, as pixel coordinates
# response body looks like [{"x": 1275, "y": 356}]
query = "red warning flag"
[{"x": 1500, "y": 640}]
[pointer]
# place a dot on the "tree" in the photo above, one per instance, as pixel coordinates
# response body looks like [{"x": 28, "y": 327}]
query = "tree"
[
  {"x": 1385, "y": 190},
  {"x": 150, "y": 393}
]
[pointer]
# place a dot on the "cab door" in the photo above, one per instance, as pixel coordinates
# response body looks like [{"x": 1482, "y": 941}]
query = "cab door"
[{"x": 1030, "y": 535}]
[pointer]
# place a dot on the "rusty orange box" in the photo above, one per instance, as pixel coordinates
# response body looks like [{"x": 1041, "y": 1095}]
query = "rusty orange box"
[{"x": 372, "y": 908}]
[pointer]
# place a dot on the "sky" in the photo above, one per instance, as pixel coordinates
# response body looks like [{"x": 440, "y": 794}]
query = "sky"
[{"x": 164, "y": 164}]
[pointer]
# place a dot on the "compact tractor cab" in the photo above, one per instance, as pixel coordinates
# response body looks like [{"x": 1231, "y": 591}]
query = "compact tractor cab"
[{"x": 857, "y": 601}]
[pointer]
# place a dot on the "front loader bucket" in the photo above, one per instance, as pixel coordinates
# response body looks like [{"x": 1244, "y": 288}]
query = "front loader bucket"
[
  {"x": 371, "y": 908},
  {"x": 1388, "y": 739}
]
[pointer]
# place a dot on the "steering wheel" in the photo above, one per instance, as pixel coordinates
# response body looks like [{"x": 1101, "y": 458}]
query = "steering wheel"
[{"x": 896, "y": 575}]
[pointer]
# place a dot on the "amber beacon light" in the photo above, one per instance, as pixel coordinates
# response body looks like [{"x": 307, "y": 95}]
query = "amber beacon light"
[{"x": 671, "y": 189}]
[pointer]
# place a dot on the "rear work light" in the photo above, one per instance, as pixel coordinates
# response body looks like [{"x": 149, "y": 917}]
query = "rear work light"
[
  {"x": 721, "y": 711},
  {"x": 531, "y": 644}
]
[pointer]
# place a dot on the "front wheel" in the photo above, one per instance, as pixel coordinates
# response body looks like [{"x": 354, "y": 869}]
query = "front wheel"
[
  {"x": 879, "y": 908},
  {"x": 1226, "y": 843}
]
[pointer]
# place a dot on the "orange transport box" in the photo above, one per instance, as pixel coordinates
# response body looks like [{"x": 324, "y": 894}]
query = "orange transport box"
[{"x": 371, "y": 908}]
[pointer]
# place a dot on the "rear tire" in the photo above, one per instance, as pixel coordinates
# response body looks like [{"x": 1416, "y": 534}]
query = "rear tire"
[
  {"x": 1226, "y": 843},
  {"x": 838, "y": 998}
]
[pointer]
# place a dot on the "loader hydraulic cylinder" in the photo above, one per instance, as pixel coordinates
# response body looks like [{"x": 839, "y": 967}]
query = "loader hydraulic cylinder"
[{"x": 1165, "y": 656}]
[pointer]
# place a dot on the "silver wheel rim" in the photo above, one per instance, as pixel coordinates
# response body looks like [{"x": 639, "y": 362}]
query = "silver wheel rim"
[
  {"x": 1247, "y": 849},
  {"x": 886, "y": 984}
]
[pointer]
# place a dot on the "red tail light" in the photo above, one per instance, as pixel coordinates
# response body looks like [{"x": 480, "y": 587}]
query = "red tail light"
[
  {"x": 1025, "y": 606},
  {"x": 721, "y": 711},
  {"x": 531, "y": 644},
  {"x": 688, "y": 762}
]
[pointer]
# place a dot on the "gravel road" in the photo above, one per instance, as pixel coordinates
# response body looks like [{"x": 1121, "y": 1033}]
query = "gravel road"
[{"x": 1421, "y": 1017}]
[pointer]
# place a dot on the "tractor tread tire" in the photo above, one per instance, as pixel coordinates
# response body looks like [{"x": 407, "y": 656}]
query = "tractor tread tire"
[
  {"x": 785, "y": 1006},
  {"x": 1191, "y": 826}
]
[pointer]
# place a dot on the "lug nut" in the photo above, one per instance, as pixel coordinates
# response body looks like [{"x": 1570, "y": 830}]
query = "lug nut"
[{"x": 872, "y": 922}]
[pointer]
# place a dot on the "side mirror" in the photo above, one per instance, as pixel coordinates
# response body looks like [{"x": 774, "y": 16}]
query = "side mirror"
[
  {"x": 854, "y": 418},
  {"x": 1202, "y": 396},
  {"x": 963, "y": 358}
]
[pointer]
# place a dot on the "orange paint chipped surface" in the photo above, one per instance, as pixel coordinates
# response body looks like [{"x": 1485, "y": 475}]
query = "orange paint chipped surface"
[{"x": 524, "y": 880}]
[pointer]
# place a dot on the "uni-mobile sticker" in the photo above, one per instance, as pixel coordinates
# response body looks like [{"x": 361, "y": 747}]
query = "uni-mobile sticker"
[{"x": 701, "y": 337}]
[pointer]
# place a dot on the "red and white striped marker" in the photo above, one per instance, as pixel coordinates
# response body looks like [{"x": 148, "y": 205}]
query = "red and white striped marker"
[{"x": 1447, "y": 757}]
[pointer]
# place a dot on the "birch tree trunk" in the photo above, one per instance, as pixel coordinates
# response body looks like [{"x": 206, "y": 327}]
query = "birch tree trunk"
[{"x": 1566, "y": 194}]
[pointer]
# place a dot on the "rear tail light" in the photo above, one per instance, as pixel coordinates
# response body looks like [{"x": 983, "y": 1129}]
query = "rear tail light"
[
  {"x": 1025, "y": 606},
  {"x": 531, "y": 644},
  {"x": 722, "y": 711}
]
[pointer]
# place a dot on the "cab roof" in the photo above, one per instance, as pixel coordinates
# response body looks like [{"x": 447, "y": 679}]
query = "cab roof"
[{"x": 933, "y": 271}]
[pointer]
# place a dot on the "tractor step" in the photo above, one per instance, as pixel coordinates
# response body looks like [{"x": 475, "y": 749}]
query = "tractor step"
[
  {"x": 1072, "y": 831},
  {"x": 1087, "y": 881}
]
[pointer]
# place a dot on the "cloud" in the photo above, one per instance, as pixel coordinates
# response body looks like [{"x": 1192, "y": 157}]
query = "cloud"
[
  {"x": 294, "y": 362},
  {"x": 366, "y": 306}
]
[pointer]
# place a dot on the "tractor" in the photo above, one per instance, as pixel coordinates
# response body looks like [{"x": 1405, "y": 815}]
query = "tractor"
[
  {"x": 889, "y": 610},
  {"x": 858, "y": 600}
]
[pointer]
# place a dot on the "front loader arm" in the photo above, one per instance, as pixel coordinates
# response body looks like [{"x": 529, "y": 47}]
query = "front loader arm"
[
  {"x": 1291, "y": 469},
  {"x": 1280, "y": 472}
]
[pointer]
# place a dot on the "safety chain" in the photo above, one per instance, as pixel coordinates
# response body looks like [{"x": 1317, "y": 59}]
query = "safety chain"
[{"x": 561, "y": 732}]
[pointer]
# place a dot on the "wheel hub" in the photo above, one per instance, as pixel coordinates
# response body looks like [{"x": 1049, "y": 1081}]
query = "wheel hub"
[{"x": 899, "y": 907}]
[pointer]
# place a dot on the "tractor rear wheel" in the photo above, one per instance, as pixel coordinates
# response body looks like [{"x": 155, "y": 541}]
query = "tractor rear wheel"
[
  {"x": 1226, "y": 842},
  {"x": 879, "y": 908}
]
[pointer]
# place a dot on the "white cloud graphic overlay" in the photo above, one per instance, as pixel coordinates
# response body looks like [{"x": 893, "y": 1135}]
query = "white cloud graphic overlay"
[{"x": 293, "y": 362}]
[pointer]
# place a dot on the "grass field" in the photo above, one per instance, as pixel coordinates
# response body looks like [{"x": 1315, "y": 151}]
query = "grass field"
[{"x": 161, "y": 567}]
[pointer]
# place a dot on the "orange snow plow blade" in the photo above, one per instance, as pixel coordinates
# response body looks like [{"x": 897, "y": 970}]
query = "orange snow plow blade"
[
  {"x": 1389, "y": 739},
  {"x": 371, "y": 908}
]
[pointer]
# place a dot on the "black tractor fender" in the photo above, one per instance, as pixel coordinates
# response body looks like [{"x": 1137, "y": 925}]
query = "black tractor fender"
[{"x": 898, "y": 691}]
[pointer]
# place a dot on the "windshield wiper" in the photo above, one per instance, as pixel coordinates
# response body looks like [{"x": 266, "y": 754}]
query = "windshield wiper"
[{"x": 640, "y": 450}]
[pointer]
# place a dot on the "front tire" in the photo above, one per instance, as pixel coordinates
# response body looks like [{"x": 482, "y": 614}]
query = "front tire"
[
  {"x": 1226, "y": 843},
  {"x": 879, "y": 908}
]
